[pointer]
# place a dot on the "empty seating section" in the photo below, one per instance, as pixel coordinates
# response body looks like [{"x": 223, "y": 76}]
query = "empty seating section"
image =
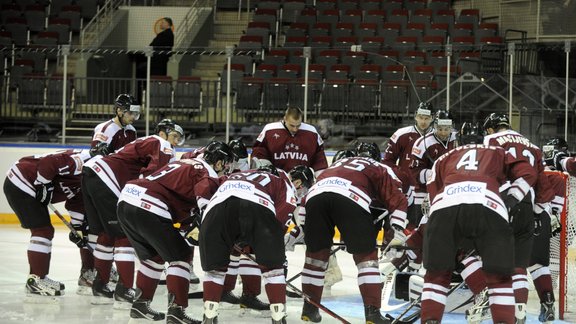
[{"x": 399, "y": 54}]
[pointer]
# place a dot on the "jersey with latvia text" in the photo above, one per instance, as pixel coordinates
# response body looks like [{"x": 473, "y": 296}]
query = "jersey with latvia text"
[
  {"x": 473, "y": 174},
  {"x": 116, "y": 136},
  {"x": 265, "y": 189},
  {"x": 285, "y": 151},
  {"x": 174, "y": 190},
  {"x": 366, "y": 182},
  {"x": 425, "y": 151},
  {"x": 63, "y": 169},
  {"x": 141, "y": 157}
]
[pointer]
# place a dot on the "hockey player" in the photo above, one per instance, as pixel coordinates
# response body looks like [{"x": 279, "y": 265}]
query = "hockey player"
[
  {"x": 288, "y": 143},
  {"x": 253, "y": 208},
  {"x": 103, "y": 179},
  {"x": 398, "y": 152},
  {"x": 147, "y": 210},
  {"x": 31, "y": 184},
  {"x": 341, "y": 197},
  {"x": 466, "y": 205},
  {"x": 562, "y": 161},
  {"x": 497, "y": 126},
  {"x": 108, "y": 137},
  {"x": 113, "y": 134},
  {"x": 425, "y": 151}
]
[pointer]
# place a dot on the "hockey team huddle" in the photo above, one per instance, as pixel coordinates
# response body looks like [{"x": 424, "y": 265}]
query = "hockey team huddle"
[{"x": 474, "y": 204}]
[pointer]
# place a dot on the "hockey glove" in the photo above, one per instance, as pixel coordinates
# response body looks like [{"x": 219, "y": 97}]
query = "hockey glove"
[
  {"x": 399, "y": 239},
  {"x": 558, "y": 157},
  {"x": 555, "y": 225},
  {"x": 397, "y": 264},
  {"x": 77, "y": 238},
  {"x": 293, "y": 237},
  {"x": 44, "y": 193},
  {"x": 101, "y": 148}
]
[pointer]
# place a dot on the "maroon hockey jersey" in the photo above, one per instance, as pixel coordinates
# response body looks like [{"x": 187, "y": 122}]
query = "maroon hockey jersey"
[
  {"x": 141, "y": 157},
  {"x": 473, "y": 174},
  {"x": 399, "y": 148},
  {"x": 174, "y": 190},
  {"x": 425, "y": 151},
  {"x": 193, "y": 154},
  {"x": 265, "y": 189},
  {"x": 558, "y": 184},
  {"x": 284, "y": 151},
  {"x": 116, "y": 136},
  {"x": 63, "y": 169},
  {"x": 569, "y": 165},
  {"x": 366, "y": 182}
]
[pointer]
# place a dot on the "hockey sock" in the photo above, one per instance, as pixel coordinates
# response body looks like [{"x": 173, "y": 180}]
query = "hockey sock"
[
  {"x": 542, "y": 281},
  {"x": 124, "y": 256},
  {"x": 275, "y": 285},
  {"x": 473, "y": 274},
  {"x": 520, "y": 285},
  {"x": 251, "y": 277},
  {"x": 232, "y": 273},
  {"x": 178, "y": 281},
  {"x": 103, "y": 256},
  {"x": 313, "y": 273},
  {"x": 213, "y": 285},
  {"x": 434, "y": 294},
  {"x": 87, "y": 258},
  {"x": 148, "y": 276},
  {"x": 40, "y": 250},
  {"x": 501, "y": 298},
  {"x": 369, "y": 280}
]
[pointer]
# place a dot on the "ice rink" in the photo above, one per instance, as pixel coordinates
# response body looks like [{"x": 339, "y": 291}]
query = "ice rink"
[{"x": 344, "y": 298}]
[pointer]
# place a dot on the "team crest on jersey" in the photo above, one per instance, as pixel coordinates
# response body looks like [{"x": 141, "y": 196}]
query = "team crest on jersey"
[
  {"x": 145, "y": 205},
  {"x": 276, "y": 136}
]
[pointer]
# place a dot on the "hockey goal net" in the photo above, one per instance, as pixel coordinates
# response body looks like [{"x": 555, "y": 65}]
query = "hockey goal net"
[{"x": 563, "y": 254}]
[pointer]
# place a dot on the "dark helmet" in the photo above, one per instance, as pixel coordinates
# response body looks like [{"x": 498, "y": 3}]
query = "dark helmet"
[
  {"x": 238, "y": 149},
  {"x": 168, "y": 126},
  {"x": 304, "y": 174},
  {"x": 127, "y": 102},
  {"x": 425, "y": 108},
  {"x": 370, "y": 150},
  {"x": 442, "y": 118},
  {"x": 342, "y": 154},
  {"x": 270, "y": 169},
  {"x": 218, "y": 151},
  {"x": 495, "y": 121},
  {"x": 470, "y": 133},
  {"x": 553, "y": 146}
]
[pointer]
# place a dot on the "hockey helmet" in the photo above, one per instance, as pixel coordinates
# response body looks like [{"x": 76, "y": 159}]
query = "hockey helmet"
[
  {"x": 553, "y": 146},
  {"x": 304, "y": 174},
  {"x": 470, "y": 133},
  {"x": 127, "y": 103},
  {"x": 218, "y": 151},
  {"x": 442, "y": 118},
  {"x": 238, "y": 149},
  {"x": 168, "y": 126},
  {"x": 342, "y": 154},
  {"x": 269, "y": 168},
  {"x": 495, "y": 121},
  {"x": 370, "y": 150},
  {"x": 425, "y": 108}
]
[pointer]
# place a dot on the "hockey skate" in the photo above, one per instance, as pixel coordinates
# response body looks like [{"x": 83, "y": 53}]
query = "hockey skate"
[
  {"x": 114, "y": 276},
  {"x": 141, "y": 309},
  {"x": 55, "y": 284},
  {"x": 520, "y": 313},
  {"x": 373, "y": 315},
  {"x": 254, "y": 305},
  {"x": 310, "y": 313},
  {"x": 42, "y": 287},
  {"x": 480, "y": 310},
  {"x": 85, "y": 282},
  {"x": 278, "y": 313},
  {"x": 176, "y": 314},
  {"x": 210, "y": 312},
  {"x": 101, "y": 292},
  {"x": 547, "y": 309},
  {"x": 229, "y": 300},
  {"x": 123, "y": 296}
]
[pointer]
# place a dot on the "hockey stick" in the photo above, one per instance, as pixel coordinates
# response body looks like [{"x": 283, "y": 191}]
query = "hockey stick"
[
  {"x": 304, "y": 295},
  {"x": 387, "y": 292},
  {"x": 67, "y": 223}
]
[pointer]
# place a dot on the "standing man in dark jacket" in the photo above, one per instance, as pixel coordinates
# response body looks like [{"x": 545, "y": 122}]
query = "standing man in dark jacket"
[{"x": 162, "y": 43}]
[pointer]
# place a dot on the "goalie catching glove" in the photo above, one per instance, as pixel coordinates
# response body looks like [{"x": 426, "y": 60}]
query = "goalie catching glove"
[{"x": 399, "y": 239}]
